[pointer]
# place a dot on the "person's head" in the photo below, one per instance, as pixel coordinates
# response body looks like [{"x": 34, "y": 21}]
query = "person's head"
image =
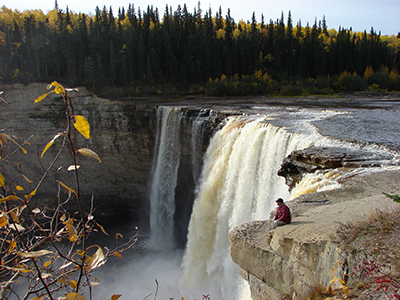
[{"x": 279, "y": 201}]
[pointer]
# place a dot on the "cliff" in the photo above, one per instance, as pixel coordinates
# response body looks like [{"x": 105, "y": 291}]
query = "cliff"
[
  {"x": 123, "y": 134},
  {"x": 296, "y": 259}
]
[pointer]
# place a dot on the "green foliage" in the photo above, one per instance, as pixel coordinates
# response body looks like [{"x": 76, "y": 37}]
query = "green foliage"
[
  {"x": 292, "y": 90},
  {"x": 184, "y": 49},
  {"x": 395, "y": 197},
  {"x": 350, "y": 82}
]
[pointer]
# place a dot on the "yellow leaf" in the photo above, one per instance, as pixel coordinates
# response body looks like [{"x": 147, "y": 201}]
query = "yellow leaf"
[
  {"x": 98, "y": 259},
  {"x": 88, "y": 152},
  {"x": 22, "y": 270},
  {"x": 58, "y": 88},
  {"x": 7, "y": 136},
  {"x": 115, "y": 297},
  {"x": 3, "y": 221},
  {"x": 43, "y": 96},
  {"x": 117, "y": 254},
  {"x": 49, "y": 144},
  {"x": 12, "y": 246},
  {"x": 74, "y": 296},
  {"x": 10, "y": 197},
  {"x": 2, "y": 180},
  {"x": 82, "y": 125},
  {"x": 19, "y": 188},
  {"x": 33, "y": 193},
  {"x": 34, "y": 253},
  {"x": 68, "y": 188},
  {"x": 48, "y": 263},
  {"x": 27, "y": 179},
  {"x": 72, "y": 237},
  {"x": 334, "y": 280},
  {"x": 73, "y": 284},
  {"x": 14, "y": 216}
]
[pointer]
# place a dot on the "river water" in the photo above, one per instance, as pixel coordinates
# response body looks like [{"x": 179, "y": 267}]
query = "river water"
[{"x": 238, "y": 184}]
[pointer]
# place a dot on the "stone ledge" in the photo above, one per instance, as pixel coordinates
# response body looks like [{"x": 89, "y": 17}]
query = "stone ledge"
[{"x": 299, "y": 257}]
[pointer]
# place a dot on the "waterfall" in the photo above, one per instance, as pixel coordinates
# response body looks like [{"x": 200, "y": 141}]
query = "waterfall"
[
  {"x": 196, "y": 143},
  {"x": 238, "y": 184},
  {"x": 165, "y": 171}
]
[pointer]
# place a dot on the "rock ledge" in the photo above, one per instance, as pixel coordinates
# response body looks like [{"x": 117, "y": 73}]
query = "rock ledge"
[{"x": 295, "y": 259}]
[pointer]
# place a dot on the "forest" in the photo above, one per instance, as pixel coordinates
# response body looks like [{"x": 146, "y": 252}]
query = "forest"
[{"x": 138, "y": 52}]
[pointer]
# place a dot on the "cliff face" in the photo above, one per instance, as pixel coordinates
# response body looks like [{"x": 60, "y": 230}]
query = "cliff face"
[
  {"x": 123, "y": 134},
  {"x": 296, "y": 259}
]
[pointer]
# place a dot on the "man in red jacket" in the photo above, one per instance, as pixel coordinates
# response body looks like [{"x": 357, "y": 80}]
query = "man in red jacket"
[{"x": 282, "y": 216}]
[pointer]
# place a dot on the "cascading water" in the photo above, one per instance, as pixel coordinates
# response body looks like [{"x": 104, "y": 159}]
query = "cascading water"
[
  {"x": 197, "y": 142},
  {"x": 238, "y": 184},
  {"x": 165, "y": 170}
]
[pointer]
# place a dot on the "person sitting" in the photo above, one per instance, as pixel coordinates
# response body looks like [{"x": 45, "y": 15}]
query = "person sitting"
[{"x": 282, "y": 216}]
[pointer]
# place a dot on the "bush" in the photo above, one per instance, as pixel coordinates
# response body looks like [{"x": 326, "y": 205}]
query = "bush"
[
  {"x": 381, "y": 79},
  {"x": 351, "y": 82},
  {"x": 292, "y": 90}
]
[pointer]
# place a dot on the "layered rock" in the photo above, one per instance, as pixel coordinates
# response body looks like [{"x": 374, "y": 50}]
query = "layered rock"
[
  {"x": 123, "y": 135},
  {"x": 311, "y": 159},
  {"x": 296, "y": 259}
]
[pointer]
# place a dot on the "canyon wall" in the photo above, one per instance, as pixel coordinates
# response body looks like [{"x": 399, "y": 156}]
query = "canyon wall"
[{"x": 123, "y": 135}]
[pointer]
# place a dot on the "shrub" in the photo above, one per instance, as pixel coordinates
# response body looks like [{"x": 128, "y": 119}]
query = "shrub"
[{"x": 292, "y": 90}]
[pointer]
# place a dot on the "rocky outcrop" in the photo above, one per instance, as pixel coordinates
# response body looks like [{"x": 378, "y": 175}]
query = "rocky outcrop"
[
  {"x": 311, "y": 159},
  {"x": 296, "y": 259}
]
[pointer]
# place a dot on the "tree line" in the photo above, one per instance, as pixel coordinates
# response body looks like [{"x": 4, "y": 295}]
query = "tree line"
[{"x": 135, "y": 49}]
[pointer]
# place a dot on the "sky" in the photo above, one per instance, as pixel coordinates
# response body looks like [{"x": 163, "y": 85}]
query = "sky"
[{"x": 360, "y": 15}]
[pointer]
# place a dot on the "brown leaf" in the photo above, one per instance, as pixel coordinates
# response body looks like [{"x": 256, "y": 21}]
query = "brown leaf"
[{"x": 102, "y": 228}]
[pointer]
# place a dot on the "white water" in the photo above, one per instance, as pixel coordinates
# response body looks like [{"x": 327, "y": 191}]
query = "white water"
[
  {"x": 238, "y": 184},
  {"x": 165, "y": 172}
]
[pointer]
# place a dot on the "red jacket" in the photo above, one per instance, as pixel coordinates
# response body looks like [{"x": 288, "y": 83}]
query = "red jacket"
[{"x": 283, "y": 214}]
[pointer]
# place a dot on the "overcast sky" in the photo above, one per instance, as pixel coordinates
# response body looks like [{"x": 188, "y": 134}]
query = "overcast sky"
[{"x": 383, "y": 15}]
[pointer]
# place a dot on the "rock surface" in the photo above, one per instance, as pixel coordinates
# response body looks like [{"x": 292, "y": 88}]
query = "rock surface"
[
  {"x": 296, "y": 259},
  {"x": 311, "y": 159},
  {"x": 123, "y": 135}
]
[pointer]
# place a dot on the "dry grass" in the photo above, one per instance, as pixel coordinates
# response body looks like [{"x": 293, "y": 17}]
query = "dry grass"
[{"x": 376, "y": 239}]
